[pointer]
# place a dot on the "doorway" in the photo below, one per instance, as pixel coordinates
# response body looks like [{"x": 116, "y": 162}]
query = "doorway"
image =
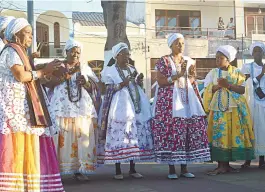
[{"x": 42, "y": 31}]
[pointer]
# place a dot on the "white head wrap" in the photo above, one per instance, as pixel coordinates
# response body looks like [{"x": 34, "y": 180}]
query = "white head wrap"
[
  {"x": 173, "y": 37},
  {"x": 4, "y": 21},
  {"x": 70, "y": 44},
  {"x": 256, "y": 44},
  {"x": 15, "y": 26},
  {"x": 116, "y": 49},
  {"x": 229, "y": 51}
]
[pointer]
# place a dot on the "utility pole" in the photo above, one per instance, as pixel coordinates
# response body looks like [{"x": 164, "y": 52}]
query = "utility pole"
[
  {"x": 31, "y": 21},
  {"x": 235, "y": 31}
]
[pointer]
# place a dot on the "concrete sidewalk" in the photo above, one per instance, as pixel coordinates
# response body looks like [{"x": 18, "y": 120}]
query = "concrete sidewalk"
[{"x": 155, "y": 180}]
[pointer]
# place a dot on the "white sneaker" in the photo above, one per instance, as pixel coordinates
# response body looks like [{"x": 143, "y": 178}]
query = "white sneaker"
[
  {"x": 118, "y": 177},
  {"x": 187, "y": 175},
  {"x": 136, "y": 175},
  {"x": 172, "y": 176}
]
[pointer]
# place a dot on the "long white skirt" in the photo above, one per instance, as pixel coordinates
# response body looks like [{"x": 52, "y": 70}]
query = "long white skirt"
[
  {"x": 259, "y": 129},
  {"x": 76, "y": 145},
  {"x": 129, "y": 135}
]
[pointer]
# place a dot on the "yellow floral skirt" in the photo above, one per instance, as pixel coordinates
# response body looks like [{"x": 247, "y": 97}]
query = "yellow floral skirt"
[
  {"x": 231, "y": 138},
  {"x": 76, "y": 145}
]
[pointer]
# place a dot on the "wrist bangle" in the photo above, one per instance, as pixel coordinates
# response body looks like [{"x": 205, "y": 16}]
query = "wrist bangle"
[
  {"x": 34, "y": 75},
  {"x": 169, "y": 80},
  {"x": 117, "y": 87},
  {"x": 229, "y": 87}
]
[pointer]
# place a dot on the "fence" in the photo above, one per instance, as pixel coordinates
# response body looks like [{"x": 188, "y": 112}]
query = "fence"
[{"x": 199, "y": 32}]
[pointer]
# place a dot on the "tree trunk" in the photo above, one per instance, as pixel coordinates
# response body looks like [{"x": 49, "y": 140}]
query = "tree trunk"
[{"x": 115, "y": 21}]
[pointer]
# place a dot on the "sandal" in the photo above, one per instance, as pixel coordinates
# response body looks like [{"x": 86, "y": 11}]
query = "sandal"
[
  {"x": 216, "y": 172},
  {"x": 245, "y": 165},
  {"x": 136, "y": 175},
  {"x": 80, "y": 177},
  {"x": 232, "y": 170},
  {"x": 172, "y": 176},
  {"x": 187, "y": 175},
  {"x": 262, "y": 166},
  {"x": 118, "y": 177}
]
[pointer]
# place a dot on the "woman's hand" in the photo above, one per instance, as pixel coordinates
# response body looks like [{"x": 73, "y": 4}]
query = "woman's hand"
[
  {"x": 181, "y": 73},
  {"x": 126, "y": 82},
  {"x": 192, "y": 71},
  {"x": 215, "y": 88},
  {"x": 80, "y": 80},
  {"x": 52, "y": 66},
  {"x": 222, "y": 82},
  {"x": 263, "y": 70},
  {"x": 183, "y": 68},
  {"x": 175, "y": 77},
  {"x": 35, "y": 55},
  {"x": 140, "y": 79}
]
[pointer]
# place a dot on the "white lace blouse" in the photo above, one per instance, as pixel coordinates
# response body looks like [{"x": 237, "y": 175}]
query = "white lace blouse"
[
  {"x": 14, "y": 110},
  {"x": 63, "y": 107}
]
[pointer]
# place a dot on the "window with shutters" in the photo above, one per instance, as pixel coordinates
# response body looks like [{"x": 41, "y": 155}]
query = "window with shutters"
[
  {"x": 57, "y": 35},
  {"x": 170, "y": 21}
]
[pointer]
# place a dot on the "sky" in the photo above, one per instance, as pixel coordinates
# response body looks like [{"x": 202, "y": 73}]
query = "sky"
[{"x": 135, "y": 11}]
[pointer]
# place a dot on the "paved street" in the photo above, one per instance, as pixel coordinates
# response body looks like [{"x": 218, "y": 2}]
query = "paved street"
[{"x": 251, "y": 180}]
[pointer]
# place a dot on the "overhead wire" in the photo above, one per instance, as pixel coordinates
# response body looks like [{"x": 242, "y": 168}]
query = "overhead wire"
[
  {"x": 171, "y": 2},
  {"x": 94, "y": 35},
  {"x": 97, "y": 36},
  {"x": 102, "y": 23}
]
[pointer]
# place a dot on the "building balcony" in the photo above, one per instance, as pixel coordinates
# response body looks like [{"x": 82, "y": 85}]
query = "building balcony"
[
  {"x": 189, "y": 32},
  {"x": 258, "y": 35}
]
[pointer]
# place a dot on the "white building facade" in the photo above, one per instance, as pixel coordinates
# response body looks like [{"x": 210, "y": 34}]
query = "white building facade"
[{"x": 198, "y": 20}]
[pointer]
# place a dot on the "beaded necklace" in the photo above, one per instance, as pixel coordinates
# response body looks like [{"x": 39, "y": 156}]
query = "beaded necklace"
[
  {"x": 220, "y": 104},
  {"x": 69, "y": 83},
  {"x": 252, "y": 75},
  {"x": 136, "y": 101},
  {"x": 183, "y": 91}
]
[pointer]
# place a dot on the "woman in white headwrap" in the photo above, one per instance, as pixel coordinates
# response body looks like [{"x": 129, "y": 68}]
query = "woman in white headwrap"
[
  {"x": 179, "y": 125},
  {"x": 126, "y": 115},
  {"x": 255, "y": 86},
  {"x": 230, "y": 131},
  {"x": 75, "y": 101},
  {"x": 27, "y": 153},
  {"x": 4, "y": 21}
]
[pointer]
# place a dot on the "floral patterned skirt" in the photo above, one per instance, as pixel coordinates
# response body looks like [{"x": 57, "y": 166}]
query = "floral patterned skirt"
[
  {"x": 76, "y": 145},
  {"x": 230, "y": 140},
  {"x": 181, "y": 140},
  {"x": 126, "y": 141},
  {"x": 178, "y": 140}
]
